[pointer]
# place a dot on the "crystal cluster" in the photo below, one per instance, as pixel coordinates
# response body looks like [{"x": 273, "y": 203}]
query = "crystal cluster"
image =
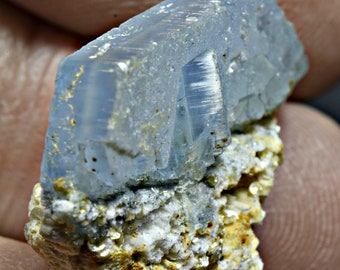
[{"x": 153, "y": 128}]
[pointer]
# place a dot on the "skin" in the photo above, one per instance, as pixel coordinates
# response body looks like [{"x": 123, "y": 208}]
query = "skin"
[{"x": 302, "y": 227}]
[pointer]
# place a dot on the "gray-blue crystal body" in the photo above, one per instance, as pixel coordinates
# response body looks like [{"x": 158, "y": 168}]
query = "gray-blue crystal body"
[{"x": 153, "y": 101}]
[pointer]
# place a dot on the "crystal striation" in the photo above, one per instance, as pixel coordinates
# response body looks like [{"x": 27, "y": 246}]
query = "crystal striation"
[
  {"x": 162, "y": 144},
  {"x": 153, "y": 101}
]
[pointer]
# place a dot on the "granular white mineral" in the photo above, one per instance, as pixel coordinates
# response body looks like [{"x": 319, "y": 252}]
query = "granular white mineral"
[{"x": 161, "y": 144}]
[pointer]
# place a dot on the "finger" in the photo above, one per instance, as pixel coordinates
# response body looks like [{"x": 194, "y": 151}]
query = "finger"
[
  {"x": 16, "y": 255},
  {"x": 302, "y": 227},
  {"x": 30, "y": 54},
  {"x": 318, "y": 26},
  {"x": 86, "y": 17}
]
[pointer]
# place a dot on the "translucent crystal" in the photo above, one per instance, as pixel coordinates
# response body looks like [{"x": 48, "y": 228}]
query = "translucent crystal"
[{"x": 152, "y": 103}]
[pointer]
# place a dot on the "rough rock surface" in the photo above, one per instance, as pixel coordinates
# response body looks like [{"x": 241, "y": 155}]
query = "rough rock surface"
[{"x": 191, "y": 225}]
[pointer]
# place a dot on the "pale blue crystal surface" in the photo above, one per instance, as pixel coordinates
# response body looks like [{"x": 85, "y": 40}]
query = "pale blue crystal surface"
[{"x": 152, "y": 102}]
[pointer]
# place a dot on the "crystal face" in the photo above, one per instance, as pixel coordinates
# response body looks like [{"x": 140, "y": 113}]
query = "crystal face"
[{"x": 152, "y": 102}]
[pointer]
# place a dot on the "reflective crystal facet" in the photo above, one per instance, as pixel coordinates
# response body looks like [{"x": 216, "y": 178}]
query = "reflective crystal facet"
[{"x": 152, "y": 102}]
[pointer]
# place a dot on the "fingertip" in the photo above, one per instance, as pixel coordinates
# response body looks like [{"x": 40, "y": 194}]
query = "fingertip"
[
  {"x": 318, "y": 27},
  {"x": 30, "y": 55},
  {"x": 301, "y": 229},
  {"x": 15, "y": 255},
  {"x": 85, "y": 17}
]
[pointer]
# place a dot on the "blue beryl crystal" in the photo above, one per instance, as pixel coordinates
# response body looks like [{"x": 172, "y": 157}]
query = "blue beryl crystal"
[{"x": 152, "y": 102}]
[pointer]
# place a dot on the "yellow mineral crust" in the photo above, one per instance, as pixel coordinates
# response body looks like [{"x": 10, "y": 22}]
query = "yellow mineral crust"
[{"x": 73, "y": 232}]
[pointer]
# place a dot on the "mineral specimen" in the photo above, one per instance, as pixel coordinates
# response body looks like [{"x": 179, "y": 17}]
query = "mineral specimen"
[{"x": 155, "y": 156}]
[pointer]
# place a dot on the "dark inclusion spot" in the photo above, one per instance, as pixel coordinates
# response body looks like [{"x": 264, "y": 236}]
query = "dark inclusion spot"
[
  {"x": 121, "y": 151},
  {"x": 137, "y": 256},
  {"x": 94, "y": 159},
  {"x": 219, "y": 146},
  {"x": 94, "y": 170},
  {"x": 120, "y": 219}
]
